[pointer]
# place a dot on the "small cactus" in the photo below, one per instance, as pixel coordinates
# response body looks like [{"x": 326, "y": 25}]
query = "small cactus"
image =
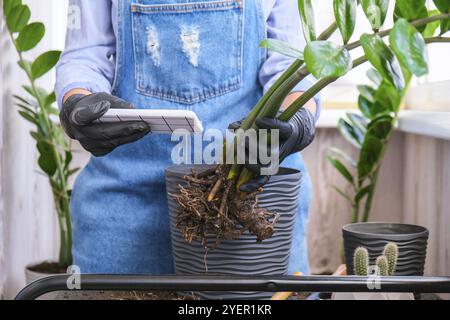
[
  {"x": 391, "y": 253},
  {"x": 383, "y": 267},
  {"x": 361, "y": 261}
]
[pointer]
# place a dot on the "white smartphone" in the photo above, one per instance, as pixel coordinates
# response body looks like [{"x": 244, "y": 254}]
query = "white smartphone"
[{"x": 160, "y": 121}]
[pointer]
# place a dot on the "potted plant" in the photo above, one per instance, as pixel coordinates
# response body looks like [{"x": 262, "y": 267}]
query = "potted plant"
[
  {"x": 384, "y": 265},
  {"x": 371, "y": 130},
  {"x": 38, "y": 108},
  {"x": 214, "y": 191}
]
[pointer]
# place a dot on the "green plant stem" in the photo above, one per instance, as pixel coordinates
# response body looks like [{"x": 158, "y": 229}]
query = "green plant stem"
[
  {"x": 437, "y": 40},
  {"x": 312, "y": 92},
  {"x": 270, "y": 104}
]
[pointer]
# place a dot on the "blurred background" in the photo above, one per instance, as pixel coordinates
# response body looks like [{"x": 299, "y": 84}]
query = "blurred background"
[{"x": 413, "y": 187}]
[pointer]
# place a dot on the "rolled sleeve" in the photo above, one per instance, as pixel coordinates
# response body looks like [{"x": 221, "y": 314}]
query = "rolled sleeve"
[
  {"x": 283, "y": 23},
  {"x": 88, "y": 59}
]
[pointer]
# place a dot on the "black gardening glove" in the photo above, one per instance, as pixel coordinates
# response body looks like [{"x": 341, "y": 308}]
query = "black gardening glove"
[
  {"x": 295, "y": 135},
  {"x": 78, "y": 115}
]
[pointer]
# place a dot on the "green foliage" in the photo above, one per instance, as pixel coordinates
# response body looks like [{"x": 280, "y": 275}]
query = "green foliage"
[
  {"x": 345, "y": 14},
  {"x": 375, "y": 11},
  {"x": 444, "y": 7},
  {"x": 44, "y": 63},
  {"x": 383, "y": 59},
  {"x": 361, "y": 262},
  {"x": 394, "y": 63},
  {"x": 431, "y": 28},
  {"x": 410, "y": 48},
  {"x": 307, "y": 18},
  {"x": 327, "y": 59},
  {"x": 37, "y": 108},
  {"x": 411, "y": 10}
]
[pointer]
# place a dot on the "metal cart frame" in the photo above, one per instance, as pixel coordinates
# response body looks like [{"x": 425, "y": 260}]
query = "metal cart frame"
[{"x": 235, "y": 283}]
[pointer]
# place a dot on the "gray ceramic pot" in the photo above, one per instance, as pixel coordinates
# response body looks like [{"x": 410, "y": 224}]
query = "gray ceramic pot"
[
  {"x": 410, "y": 239},
  {"x": 243, "y": 256}
]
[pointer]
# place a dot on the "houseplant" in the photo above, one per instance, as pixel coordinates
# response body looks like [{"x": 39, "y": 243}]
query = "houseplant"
[
  {"x": 37, "y": 106},
  {"x": 384, "y": 265},
  {"x": 370, "y": 130},
  {"x": 394, "y": 65}
]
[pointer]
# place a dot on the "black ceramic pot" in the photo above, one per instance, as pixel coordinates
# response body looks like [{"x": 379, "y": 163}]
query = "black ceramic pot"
[
  {"x": 410, "y": 239},
  {"x": 243, "y": 256}
]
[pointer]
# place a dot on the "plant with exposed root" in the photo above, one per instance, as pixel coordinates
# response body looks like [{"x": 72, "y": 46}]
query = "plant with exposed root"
[{"x": 211, "y": 205}]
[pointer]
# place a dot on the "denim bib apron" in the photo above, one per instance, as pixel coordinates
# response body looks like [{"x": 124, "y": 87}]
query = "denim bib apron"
[{"x": 202, "y": 56}]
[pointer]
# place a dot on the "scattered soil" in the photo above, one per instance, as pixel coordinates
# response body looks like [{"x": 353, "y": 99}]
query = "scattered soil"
[
  {"x": 211, "y": 208},
  {"x": 124, "y": 295},
  {"x": 49, "y": 268}
]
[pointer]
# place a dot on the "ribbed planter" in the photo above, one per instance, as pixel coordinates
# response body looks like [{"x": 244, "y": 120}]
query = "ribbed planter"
[
  {"x": 410, "y": 239},
  {"x": 243, "y": 256}
]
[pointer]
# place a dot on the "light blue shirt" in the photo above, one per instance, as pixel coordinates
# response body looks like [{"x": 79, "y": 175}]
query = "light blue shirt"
[{"x": 88, "y": 59}]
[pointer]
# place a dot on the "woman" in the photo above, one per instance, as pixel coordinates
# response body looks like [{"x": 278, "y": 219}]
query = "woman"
[{"x": 164, "y": 54}]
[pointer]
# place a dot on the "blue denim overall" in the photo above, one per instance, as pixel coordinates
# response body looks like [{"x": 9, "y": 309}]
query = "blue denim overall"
[{"x": 202, "y": 56}]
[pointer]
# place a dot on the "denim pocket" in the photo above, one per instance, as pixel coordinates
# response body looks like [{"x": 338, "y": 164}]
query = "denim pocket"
[{"x": 188, "y": 52}]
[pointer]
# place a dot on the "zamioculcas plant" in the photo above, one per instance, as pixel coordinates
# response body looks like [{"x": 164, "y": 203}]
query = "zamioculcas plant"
[
  {"x": 38, "y": 108},
  {"x": 393, "y": 63}
]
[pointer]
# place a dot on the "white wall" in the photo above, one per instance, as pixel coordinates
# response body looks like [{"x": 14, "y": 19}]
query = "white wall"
[{"x": 27, "y": 220}]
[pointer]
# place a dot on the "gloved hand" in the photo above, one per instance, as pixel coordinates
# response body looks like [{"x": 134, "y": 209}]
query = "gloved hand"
[
  {"x": 79, "y": 112},
  {"x": 295, "y": 135}
]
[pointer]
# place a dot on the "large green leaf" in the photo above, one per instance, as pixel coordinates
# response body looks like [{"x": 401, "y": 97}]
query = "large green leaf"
[
  {"x": 30, "y": 36},
  {"x": 345, "y": 14},
  {"x": 8, "y": 5},
  {"x": 365, "y": 106},
  {"x": 282, "y": 47},
  {"x": 341, "y": 168},
  {"x": 409, "y": 47},
  {"x": 307, "y": 19},
  {"x": 44, "y": 63},
  {"x": 28, "y": 116},
  {"x": 387, "y": 99},
  {"x": 359, "y": 122},
  {"x": 46, "y": 160},
  {"x": 430, "y": 29},
  {"x": 350, "y": 133},
  {"x": 383, "y": 59},
  {"x": 367, "y": 92},
  {"x": 18, "y": 18},
  {"x": 341, "y": 155},
  {"x": 375, "y": 11},
  {"x": 411, "y": 10},
  {"x": 327, "y": 59},
  {"x": 370, "y": 156},
  {"x": 444, "y": 7},
  {"x": 381, "y": 127},
  {"x": 374, "y": 76}
]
